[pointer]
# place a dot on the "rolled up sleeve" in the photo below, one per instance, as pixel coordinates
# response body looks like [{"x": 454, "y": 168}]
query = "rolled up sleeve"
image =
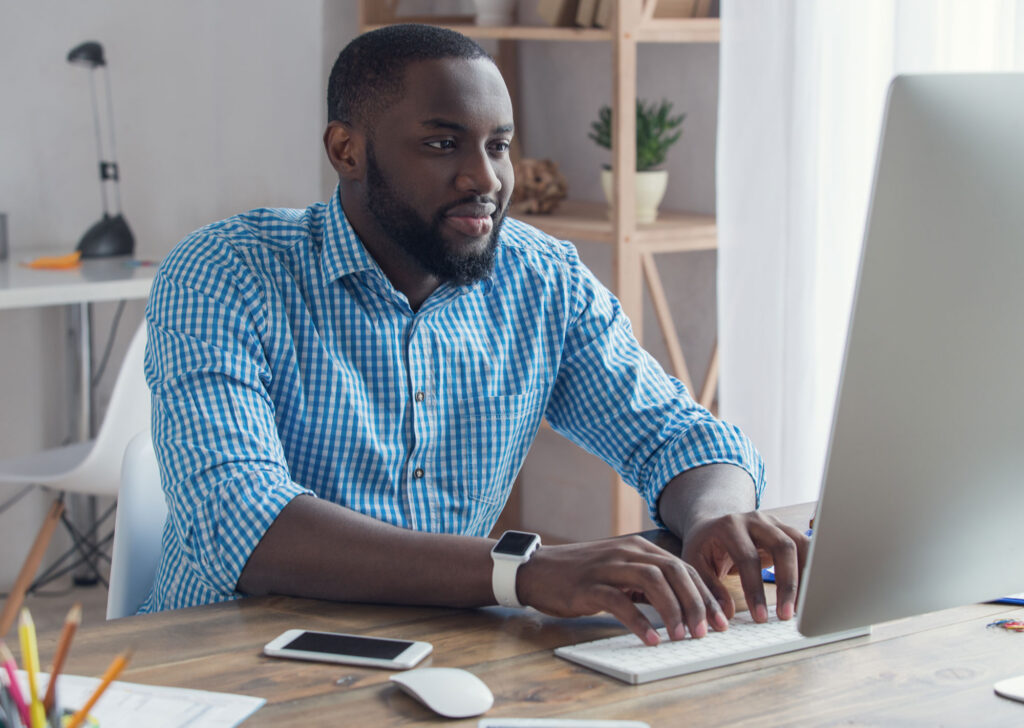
[
  {"x": 613, "y": 399},
  {"x": 221, "y": 461}
]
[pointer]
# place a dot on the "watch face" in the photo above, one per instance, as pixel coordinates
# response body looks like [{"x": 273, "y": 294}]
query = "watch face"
[{"x": 514, "y": 543}]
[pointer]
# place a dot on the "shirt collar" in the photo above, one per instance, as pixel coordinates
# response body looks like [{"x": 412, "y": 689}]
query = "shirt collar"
[{"x": 344, "y": 252}]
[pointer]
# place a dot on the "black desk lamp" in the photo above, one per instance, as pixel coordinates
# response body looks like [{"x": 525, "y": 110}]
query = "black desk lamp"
[{"x": 111, "y": 235}]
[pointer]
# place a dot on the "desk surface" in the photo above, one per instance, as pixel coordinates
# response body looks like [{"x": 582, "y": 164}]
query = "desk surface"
[
  {"x": 934, "y": 669},
  {"x": 97, "y": 279}
]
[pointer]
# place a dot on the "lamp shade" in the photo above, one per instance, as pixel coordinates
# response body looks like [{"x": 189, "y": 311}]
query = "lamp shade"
[{"x": 89, "y": 54}]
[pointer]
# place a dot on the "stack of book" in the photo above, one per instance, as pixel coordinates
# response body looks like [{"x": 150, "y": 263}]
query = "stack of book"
[{"x": 598, "y": 13}]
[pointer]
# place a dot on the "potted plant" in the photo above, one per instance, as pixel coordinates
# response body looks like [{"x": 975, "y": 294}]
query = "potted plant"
[{"x": 656, "y": 131}]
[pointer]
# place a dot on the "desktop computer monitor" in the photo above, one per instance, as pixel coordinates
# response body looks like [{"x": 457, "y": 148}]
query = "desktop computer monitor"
[{"x": 922, "y": 500}]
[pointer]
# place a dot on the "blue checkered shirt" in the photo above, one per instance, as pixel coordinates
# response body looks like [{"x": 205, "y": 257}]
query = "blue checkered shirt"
[{"x": 283, "y": 362}]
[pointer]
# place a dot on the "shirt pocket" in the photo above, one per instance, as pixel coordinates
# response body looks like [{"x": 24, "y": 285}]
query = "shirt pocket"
[{"x": 495, "y": 434}]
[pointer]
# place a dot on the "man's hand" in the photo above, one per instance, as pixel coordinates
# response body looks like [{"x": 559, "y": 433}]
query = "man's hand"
[
  {"x": 742, "y": 542},
  {"x": 611, "y": 575}
]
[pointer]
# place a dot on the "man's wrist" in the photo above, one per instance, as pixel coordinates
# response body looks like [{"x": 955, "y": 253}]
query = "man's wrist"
[
  {"x": 512, "y": 551},
  {"x": 526, "y": 577},
  {"x": 708, "y": 491}
]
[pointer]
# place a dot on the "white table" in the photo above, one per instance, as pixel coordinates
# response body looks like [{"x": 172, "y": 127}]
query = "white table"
[{"x": 95, "y": 280}]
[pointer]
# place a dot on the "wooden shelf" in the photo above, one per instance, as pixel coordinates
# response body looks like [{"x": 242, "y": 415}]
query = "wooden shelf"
[
  {"x": 657, "y": 30},
  {"x": 634, "y": 246},
  {"x": 671, "y": 232},
  {"x": 680, "y": 30}
]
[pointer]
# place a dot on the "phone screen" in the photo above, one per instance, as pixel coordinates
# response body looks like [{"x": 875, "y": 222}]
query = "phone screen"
[{"x": 343, "y": 644}]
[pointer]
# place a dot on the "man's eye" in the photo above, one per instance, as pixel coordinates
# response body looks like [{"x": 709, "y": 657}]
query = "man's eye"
[
  {"x": 500, "y": 146},
  {"x": 442, "y": 144}
]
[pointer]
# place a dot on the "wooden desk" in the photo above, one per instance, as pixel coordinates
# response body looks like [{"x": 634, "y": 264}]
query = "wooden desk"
[{"x": 934, "y": 669}]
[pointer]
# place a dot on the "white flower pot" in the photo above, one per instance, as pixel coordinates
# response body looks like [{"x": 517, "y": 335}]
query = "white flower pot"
[
  {"x": 650, "y": 191},
  {"x": 495, "y": 12}
]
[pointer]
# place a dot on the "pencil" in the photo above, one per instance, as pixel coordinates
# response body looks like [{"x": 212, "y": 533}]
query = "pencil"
[
  {"x": 108, "y": 677},
  {"x": 30, "y": 656},
  {"x": 7, "y": 659},
  {"x": 71, "y": 623},
  {"x": 9, "y": 712}
]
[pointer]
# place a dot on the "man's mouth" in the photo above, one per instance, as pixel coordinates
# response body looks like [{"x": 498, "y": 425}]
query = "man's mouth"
[
  {"x": 473, "y": 227},
  {"x": 472, "y": 219}
]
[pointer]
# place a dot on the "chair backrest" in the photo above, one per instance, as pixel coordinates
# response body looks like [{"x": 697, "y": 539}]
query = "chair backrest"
[
  {"x": 127, "y": 413},
  {"x": 138, "y": 528}
]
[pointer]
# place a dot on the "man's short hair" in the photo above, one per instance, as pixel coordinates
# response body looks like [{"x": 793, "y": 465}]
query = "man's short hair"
[{"x": 367, "y": 77}]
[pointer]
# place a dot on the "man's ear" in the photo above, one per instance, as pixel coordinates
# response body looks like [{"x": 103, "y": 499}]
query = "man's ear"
[{"x": 346, "y": 148}]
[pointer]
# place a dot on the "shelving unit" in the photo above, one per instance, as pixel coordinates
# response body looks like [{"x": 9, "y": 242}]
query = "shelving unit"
[{"x": 634, "y": 245}]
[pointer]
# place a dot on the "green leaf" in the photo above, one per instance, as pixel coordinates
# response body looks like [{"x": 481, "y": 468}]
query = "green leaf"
[{"x": 656, "y": 131}]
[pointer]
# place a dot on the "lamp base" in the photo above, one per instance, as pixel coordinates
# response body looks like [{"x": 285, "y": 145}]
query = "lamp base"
[{"x": 108, "y": 237}]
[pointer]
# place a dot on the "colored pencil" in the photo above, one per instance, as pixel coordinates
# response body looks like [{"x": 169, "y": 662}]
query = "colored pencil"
[
  {"x": 30, "y": 656},
  {"x": 7, "y": 659},
  {"x": 108, "y": 677},
  {"x": 71, "y": 623},
  {"x": 9, "y": 712}
]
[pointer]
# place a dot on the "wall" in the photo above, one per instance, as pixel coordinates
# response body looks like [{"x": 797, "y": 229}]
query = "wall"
[{"x": 217, "y": 110}]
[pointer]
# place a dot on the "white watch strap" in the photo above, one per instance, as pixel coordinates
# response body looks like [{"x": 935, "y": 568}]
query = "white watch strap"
[{"x": 503, "y": 582}]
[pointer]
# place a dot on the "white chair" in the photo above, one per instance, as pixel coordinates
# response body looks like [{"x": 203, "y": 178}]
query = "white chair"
[
  {"x": 89, "y": 468},
  {"x": 138, "y": 526}
]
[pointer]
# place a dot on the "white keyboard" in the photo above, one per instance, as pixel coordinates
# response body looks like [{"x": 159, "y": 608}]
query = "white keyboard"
[{"x": 628, "y": 659}]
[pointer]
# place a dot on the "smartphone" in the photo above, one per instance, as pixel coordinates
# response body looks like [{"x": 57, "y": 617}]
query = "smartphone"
[{"x": 347, "y": 649}]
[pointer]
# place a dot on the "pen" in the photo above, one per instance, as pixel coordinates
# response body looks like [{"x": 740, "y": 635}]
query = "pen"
[
  {"x": 30, "y": 656},
  {"x": 108, "y": 677},
  {"x": 71, "y": 623},
  {"x": 7, "y": 659}
]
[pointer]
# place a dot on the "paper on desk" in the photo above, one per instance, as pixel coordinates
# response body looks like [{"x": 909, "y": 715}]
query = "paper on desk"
[{"x": 130, "y": 705}]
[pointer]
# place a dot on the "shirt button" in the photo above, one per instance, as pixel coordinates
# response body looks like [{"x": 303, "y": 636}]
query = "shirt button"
[
  {"x": 417, "y": 473},
  {"x": 420, "y": 396}
]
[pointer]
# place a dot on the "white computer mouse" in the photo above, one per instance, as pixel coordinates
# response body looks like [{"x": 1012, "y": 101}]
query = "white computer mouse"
[{"x": 452, "y": 692}]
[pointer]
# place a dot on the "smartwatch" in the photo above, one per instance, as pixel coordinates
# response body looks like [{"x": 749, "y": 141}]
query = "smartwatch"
[{"x": 513, "y": 549}]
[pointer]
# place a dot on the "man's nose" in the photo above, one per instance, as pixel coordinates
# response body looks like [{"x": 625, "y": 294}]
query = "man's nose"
[{"x": 477, "y": 174}]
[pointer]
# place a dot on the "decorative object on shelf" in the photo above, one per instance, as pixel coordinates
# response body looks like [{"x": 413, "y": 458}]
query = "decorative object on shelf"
[
  {"x": 656, "y": 132},
  {"x": 540, "y": 186},
  {"x": 495, "y": 12},
  {"x": 111, "y": 234}
]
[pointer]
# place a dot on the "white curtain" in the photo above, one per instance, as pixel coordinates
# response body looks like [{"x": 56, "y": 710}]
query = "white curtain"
[{"x": 802, "y": 89}]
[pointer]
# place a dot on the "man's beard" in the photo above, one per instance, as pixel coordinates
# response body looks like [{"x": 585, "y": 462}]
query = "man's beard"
[{"x": 421, "y": 239}]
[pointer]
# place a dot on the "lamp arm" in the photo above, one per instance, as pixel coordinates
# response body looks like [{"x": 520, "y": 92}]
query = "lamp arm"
[
  {"x": 99, "y": 139},
  {"x": 116, "y": 172}
]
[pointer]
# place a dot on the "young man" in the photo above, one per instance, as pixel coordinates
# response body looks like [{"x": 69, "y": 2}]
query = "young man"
[{"x": 343, "y": 395}]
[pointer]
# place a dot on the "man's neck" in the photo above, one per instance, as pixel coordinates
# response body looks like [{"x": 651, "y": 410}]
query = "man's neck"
[{"x": 398, "y": 266}]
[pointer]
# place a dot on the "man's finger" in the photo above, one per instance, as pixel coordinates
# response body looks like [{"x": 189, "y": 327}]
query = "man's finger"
[
  {"x": 783, "y": 543},
  {"x": 719, "y": 605},
  {"x": 615, "y": 602},
  {"x": 745, "y": 556},
  {"x": 685, "y": 592},
  {"x": 790, "y": 563}
]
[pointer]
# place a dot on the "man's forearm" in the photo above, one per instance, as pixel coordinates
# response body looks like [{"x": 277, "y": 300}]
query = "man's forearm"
[
  {"x": 322, "y": 550},
  {"x": 705, "y": 492}
]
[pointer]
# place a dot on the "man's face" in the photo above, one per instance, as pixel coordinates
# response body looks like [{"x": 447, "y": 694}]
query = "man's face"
[{"x": 438, "y": 173}]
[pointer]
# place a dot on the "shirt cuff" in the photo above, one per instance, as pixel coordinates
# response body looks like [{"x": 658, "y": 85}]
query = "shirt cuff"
[
  {"x": 705, "y": 443},
  {"x": 246, "y": 506}
]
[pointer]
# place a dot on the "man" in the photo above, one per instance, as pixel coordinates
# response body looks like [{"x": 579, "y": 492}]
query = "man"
[{"x": 343, "y": 395}]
